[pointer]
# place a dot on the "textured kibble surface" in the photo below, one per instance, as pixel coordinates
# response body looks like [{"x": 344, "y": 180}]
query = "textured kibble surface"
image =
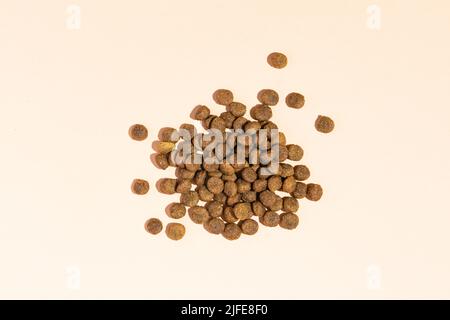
[
  {"x": 225, "y": 183},
  {"x": 138, "y": 132}
]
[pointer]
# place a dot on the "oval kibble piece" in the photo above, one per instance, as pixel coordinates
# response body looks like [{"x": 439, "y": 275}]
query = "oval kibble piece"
[
  {"x": 223, "y": 96},
  {"x": 277, "y": 60},
  {"x": 300, "y": 190},
  {"x": 242, "y": 210},
  {"x": 290, "y": 204},
  {"x": 314, "y": 192},
  {"x": 183, "y": 186},
  {"x": 176, "y": 210},
  {"x": 295, "y": 152},
  {"x": 258, "y": 209},
  {"x": 301, "y": 172},
  {"x": 270, "y": 219},
  {"x": 324, "y": 124},
  {"x": 198, "y": 215},
  {"x": 261, "y": 112},
  {"x": 161, "y": 161},
  {"x": 295, "y": 100},
  {"x": 274, "y": 183},
  {"x": 237, "y": 109},
  {"x": 228, "y": 215},
  {"x": 168, "y": 135},
  {"x": 214, "y": 208},
  {"x": 231, "y": 231},
  {"x": 189, "y": 199},
  {"x": 153, "y": 226},
  {"x": 215, "y": 185},
  {"x": 249, "y": 175},
  {"x": 214, "y": 226},
  {"x": 200, "y": 113},
  {"x": 268, "y": 97},
  {"x": 289, "y": 220},
  {"x": 139, "y": 186},
  {"x": 175, "y": 231},
  {"x": 138, "y": 132},
  {"x": 166, "y": 185},
  {"x": 163, "y": 147},
  {"x": 249, "y": 227},
  {"x": 289, "y": 185}
]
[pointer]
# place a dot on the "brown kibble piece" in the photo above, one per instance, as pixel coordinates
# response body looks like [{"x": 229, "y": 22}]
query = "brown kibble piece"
[
  {"x": 268, "y": 97},
  {"x": 218, "y": 123},
  {"x": 183, "y": 186},
  {"x": 277, "y": 60},
  {"x": 175, "y": 231},
  {"x": 249, "y": 175},
  {"x": 223, "y": 96},
  {"x": 301, "y": 172},
  {"x": 274, "y": 183},
  {"x": 249, "y": 227},
  {"x": 242, "y": 210},
  {"x": 200, "y": 178},
  {"x": 289, "y": 184},
  {"x": 230, "y": 188},
  {"x": 261, "y": 112},
  {"x": 260, "y": 185},
  {"x": 295, "y": 152},
  {"x": 153, "y": 226},
  {"x": 300, "y": 190},
  {"x": 268, "y": 198},
  {"x": 189, "y": 199},
  {"x": 215, "y": 185},
  {"x": 270, "y": 219},
  {"x": 228, "y": 215},
  {"x": 215, "y": 208},
  {"x": 249, "y": 196},
  {"x": 167, "y": 186},
  {"x": 221, "y": 198},
  {"x": 258, "y": 209},
  {"x": 228, "y": 119},
  {"x": 295, "y": 100},
  {"x": 204, "y": 194},
  {"x": 231, "y": 231},
  {"x": 161, "y": 161},
  {"x": 289, "y": 220},
  {"x": 237, "y": 109},
  {"x": 214, "y": 226},
  {"x": 239, "y": 123},
  {"x": 139, "y": 186},
  {"x": 198, "y": 215},
  {"x": 243, "y": 186},
  {"x": 200, "y": 113},
  {"x": 286, "y": 170},
  {"x": 168, "y": 135},
  {"x": 231, "y": 201},
  {"x": 314, "y": 192},
  {"x": 138, "y": 132},
  {"x": 163, "y": 147},
  {"x": 324, "y": 124},
  {"x": 176, "y": 211},
  {"x": 290, "y": 204}
]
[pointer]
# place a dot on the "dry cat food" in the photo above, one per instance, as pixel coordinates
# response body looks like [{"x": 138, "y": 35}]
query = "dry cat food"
[
  {"x": 236, "y": 174},
  {"x": 138, "y": 132}
]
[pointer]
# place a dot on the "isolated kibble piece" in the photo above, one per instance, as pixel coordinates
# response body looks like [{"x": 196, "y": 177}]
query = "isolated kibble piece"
[
  {"x": 314, "y": 192},
  {"x": 290, "y": 204},
  {"x": 189, "y": 199},
  {"x": 295, "y": 152},
  {"x": 268, "y": 97},
  {"x": 175, "y": 231},
  {"x": 214, "y": 226},
  {"x": 277, "y": 60},
  {"x": 270, "y": 219},
  {"x": 198, "y": 215},
  {"x": 215, "y": 185},
  {"x": 324, "y": 124},
  {"x": 295, "y": 100},
  {"x": 289, "y": 220},
  {"x": 200, "y": 113},
  {"x": 139, "y": 186},
  {"x": 223, "y": 96},
  {"x": 153, "y": 226},
  {"x": 231, "y": 231},
  {"x": 237, "y": 109},
  {"x": 300, "y": 190},
  {"x": 167, "y": 186},
  {"x": 138, "y": 132},
  {"x": 301, "y": 172},
  {"x": 176, "y": 210},
  {"x": 249, "y": 227},
  {"x": 261, "y": 112}
]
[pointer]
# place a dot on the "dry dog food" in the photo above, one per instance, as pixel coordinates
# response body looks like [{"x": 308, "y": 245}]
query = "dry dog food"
[
  {"x": 140, "y": 186},
  {"x": 138, "y": 132},
  {"x": 153, "y": 226},
  {"x": 175, "y": 231},
  {"x": 277, "y": 60},
  {"x": 324, "y": 124}
]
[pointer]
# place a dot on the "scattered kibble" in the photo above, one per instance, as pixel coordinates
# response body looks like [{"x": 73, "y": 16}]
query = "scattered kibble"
[
  {"x": 175, "y": 231},
  {"x": 324, "y": 124},
  {"x": 138, "y": 132},
  {"x": 289, "y": 220},
  {"x": 176, "y": 211},
  {"x": 223, "y": 97},
  {"x": 295, "y": 100},
  {"x": 277, "y": 60},
  {"x": 139, "y": 186},
  {"x": 153, "y": 226},
  {"x": 268, "y": 96},
  {"x": 314, "y": 192}
]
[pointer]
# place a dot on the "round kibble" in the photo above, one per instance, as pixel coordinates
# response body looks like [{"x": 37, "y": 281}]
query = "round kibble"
[
  {"x": 189, "y": 199},
  {"x": 167, "y": 186},
  {"x": 204, "y": 194},
  {"x": 258, "y": 209},
  {"x": 268, "y": 97},
  {"x": 301, "y": 172},
  {"x": 295, "y": 100},
  {"x": 161, "y": 161},
  {"x": 228, "y": 215},
  {"x": 198, "y": 215},
  {"x": 324, "y": 124},
  {"x": 138, "y": 132},
  {"x": 200, "y": 113},
  {"x": 284, "y": 153},
  {"x": 214, "y": 226},
  {"x": 249, "y": 175},
  {"x": 261, "y": 112},
  {"x": 163, "y": 147},
  {"x": 168, "y": 135},
  {"x": 176, "y": 210},
  {"x": 289, "y": 220},
  {"x": 139, "y": 186},
  {"x": 295, "y": 152},
  {"x": 230, "y": 188},
  {"x": 290, "y": 204},
  {"x": 183, "y": 186},
  {"x": 270, "y": 219},
  {"x": 268, "y": 198},
  {"x": 200, "y": 178},
  {"x": 181, "y": 173},
  {"x": 188, "y": 131},
  {"x": 243, "y": 186},
  {"x": 175, "y": 231},
  {"x": 231, "y": 201},
  {"x": 218, "y": 123},
  {"x": 215, "y": 208},
  {"x": 278, "y": 204},
  {"x": 249, "y": 196},
  {"x": 259, "y": 185},
  {"x": 153, "y": 226},
  {"x": 249, "y": 227},
  {"x": 237, "y": 109},
  {"x": 277, "y": 60},
  {"x": 286, "y": 170},
  {"x": 231, "y": 231},
  {"x": 239, "y": 123},
  {"x": 215, "y": 185},
  {"x": 289, "y": 185},
  {"x": 300, "y": 190},
  {"x": 228, "y": 119},
  {"x": 242, "y": 210},
  {"x": 274, "y": 183},
  {"x": 221, "y": 198},
  {"x": 223, "y": 96},
  {"x": 314, "y": 192}
]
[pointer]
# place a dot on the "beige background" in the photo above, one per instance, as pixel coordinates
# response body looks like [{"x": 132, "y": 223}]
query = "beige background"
[{"x": 67, "y": 98}]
